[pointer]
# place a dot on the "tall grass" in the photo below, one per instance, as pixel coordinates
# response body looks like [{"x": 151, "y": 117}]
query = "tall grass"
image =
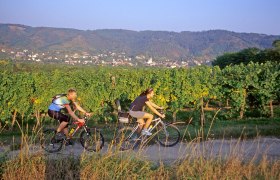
[
  {"x": 197, "y": 161},
  {"x": 113, "y": 166}
]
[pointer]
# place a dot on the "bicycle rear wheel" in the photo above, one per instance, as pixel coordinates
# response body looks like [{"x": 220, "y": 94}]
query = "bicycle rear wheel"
[
  {"x": 48, "y": 141},
  {"x": 127, "y": 139},
  {"x": 92, "y": 139},
  {"x": 168, "y": 135}
]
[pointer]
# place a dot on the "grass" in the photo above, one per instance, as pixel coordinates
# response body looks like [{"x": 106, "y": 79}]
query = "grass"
[
  {"x": 220, "y": 129},
  {"x": 217, "y": 126},
  {"x": 249, "y": 128},
  {"x": 195, "y": 163},
  {"x": 220, "y": 119},
  {"x": 130, "y": 165}
]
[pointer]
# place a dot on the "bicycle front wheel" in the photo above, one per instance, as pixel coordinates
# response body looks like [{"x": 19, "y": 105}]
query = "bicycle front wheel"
[
  {"x": 168, "y": 135},
  {"x": 92, "y": 139},
  {"x": 49, "y": 142}
]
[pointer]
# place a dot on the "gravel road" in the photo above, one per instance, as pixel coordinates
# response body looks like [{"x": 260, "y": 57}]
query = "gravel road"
[{"x": 244, "y": 149}]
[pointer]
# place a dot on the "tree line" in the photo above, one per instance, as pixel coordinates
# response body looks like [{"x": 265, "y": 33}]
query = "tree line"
[{"x": 249, "y": 55}]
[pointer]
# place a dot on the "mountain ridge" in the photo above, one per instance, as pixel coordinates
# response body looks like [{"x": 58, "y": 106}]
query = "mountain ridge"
[{"x": 184, "y": 45}]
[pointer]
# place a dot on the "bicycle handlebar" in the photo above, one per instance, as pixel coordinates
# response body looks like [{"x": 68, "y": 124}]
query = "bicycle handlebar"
[{"x": 79, "y": 123}]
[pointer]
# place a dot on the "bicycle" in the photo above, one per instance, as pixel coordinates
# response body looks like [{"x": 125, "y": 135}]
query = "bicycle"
[
  {"x": 166, "y": 134},
  {"x": 90, "y": 138}
]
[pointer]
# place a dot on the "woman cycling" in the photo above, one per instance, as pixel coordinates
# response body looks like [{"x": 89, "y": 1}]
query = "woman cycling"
[{"x": 137, "y": 110}]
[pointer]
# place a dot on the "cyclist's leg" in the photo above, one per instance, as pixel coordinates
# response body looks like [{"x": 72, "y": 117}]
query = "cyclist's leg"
[
  {"x": 142, "y": 115},
  {"x": 149, "y": 118},
  {"x": 141, "y": 123},
  {"x": 62, "y": 127},
  {"x": 63, "y": 119}
]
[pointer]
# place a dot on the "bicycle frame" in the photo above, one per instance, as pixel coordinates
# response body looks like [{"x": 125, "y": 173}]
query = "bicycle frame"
[
  {"x": 157, "y": 120},
  {"x": 79, "y": 126},
  {"x": 90, "y": 138}
]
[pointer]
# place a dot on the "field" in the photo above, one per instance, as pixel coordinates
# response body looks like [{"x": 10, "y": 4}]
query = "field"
[
  {"x": 229, "y": 120},
  {"x": 223, "y": 149},
  {"x": 187, "y": 122}
]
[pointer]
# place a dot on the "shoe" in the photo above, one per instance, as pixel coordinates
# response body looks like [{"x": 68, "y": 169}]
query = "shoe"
[
  {"x": 146, "y": 132},
  {"x": 69, "y": 142},
  {"x": 59, "y": 136}
]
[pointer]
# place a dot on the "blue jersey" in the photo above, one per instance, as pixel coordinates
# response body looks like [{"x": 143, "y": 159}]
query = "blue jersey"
[{"x": 59, "y": 103}]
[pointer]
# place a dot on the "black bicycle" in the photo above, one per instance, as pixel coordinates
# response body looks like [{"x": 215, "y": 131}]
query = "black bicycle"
[{"x": 90, "y": 138}]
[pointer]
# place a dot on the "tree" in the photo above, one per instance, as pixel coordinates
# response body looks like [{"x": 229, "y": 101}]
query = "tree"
[
  {"x": 268, "y": 85},
  {"x": 276, "y": 45},
  {"x": 245, "y": 56}
]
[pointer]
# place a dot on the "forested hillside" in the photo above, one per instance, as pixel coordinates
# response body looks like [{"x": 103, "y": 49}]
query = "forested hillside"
[{"x": 190, "y": 46}]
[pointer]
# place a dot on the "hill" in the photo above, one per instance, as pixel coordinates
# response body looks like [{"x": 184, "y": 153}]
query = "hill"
[{"x": 205, "y": 45}]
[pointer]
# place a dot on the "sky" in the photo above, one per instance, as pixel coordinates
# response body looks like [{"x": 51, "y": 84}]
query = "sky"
[{"x": 256, "y": 16}]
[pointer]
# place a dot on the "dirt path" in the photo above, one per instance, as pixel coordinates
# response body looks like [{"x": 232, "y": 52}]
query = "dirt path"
[{"x": 244, "y": 149}]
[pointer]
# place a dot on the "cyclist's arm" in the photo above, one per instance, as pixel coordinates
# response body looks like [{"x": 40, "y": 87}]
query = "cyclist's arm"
[
  {"x": 72, "y": 114},
  {"x": 148, "y": 103},
  {"x": 155, "y": 106},
  {"x": 80, "y": 108}
]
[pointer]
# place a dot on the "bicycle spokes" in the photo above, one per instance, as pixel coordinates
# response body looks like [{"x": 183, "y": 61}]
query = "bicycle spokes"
[
  {"x": 49, "y": 142},
  {"x": 92, "y": 139}
]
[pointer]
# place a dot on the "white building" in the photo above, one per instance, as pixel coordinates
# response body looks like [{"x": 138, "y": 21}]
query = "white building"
[{"x": 150, "y": 61}]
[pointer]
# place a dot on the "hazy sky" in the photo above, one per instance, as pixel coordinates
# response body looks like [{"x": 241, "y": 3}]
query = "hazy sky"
[{"x": 259, "y": 16}]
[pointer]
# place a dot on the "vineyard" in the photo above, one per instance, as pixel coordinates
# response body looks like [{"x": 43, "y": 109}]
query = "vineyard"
[{"x": 26, "y": 89}]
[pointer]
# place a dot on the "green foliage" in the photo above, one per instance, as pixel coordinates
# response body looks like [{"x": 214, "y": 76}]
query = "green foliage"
[
  {"x": 244, "y": 56},
  {"x": 28, "y": 88},
  {"x": 249, "y": 55},
  {"x": 276, "y": 45}
]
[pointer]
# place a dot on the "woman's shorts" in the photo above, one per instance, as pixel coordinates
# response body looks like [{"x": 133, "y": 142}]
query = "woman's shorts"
[{"x": 137, "y": 114}]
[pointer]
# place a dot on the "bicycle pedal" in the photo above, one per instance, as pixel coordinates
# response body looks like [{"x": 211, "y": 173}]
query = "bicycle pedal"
[{"x": 69, "y": 142}]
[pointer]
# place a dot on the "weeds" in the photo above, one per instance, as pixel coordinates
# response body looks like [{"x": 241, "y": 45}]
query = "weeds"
[
  {"x": 116, "y": 167},
  {"x": 197, "y": 160}
]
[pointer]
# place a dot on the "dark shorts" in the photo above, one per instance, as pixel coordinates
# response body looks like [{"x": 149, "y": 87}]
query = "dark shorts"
[{"x": 58, "y": 116}]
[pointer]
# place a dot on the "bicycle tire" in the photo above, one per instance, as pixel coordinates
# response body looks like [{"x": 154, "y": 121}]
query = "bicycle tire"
[
  {"x": 48, "y": 141},
  {"x": 169, "y": 139},
  {"x": 92, "y": 139},
  {"x": 123, "y": 142}
]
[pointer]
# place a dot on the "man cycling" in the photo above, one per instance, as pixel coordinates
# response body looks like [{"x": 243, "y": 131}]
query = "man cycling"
[
  {"x": 137, "y": 110},
  {"x": 62, "y": 102}
]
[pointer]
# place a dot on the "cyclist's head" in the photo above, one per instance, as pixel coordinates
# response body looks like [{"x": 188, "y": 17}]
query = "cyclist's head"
[
  {"x": 72, "y": 94},
  {"x": 148, "y": 92}
]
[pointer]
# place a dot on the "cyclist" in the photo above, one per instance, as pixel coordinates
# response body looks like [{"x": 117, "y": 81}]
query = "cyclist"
[
  {"x": 63, "y": 102},
  {"x": 137, "y": 110}
]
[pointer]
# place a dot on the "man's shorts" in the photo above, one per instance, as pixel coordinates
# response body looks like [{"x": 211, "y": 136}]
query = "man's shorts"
[{"x": 58, "y": 116}]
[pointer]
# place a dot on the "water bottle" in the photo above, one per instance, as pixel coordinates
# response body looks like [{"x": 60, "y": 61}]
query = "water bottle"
[
  {"x": 71, "y": 131},
  {"x": 150, "y": 128}
]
